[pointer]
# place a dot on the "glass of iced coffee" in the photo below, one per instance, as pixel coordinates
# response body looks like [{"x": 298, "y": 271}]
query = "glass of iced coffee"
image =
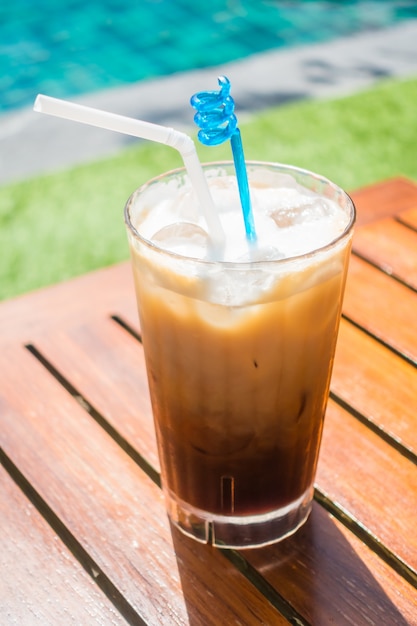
[{"x": 239, "y": 341}]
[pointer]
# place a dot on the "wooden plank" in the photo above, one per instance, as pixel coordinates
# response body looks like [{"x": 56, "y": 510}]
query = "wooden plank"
[
  {"x": 72, "y": 438},
  {"x": 41, "y": 582},
  {"x": 114, "y": 510},
  {"x": 384, "y": 199},
  {"x": 371, "y": 480},
  {"x": 99, "y": 344},
  {"x": 61, "y": 304},
  {"x": 107, "y": 367},
  {"x": 331, "y": 577},
  {"x": 391, "y": 246},
  {"x": 377, "y": 383},
  {"x": 110, "y": 359},
  {"x": 140, "y": 516},
  {"x": 382, "y": 306}
]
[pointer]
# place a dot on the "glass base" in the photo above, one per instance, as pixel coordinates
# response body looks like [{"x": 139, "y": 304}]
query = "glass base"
[{"x": 225, "y": 531}]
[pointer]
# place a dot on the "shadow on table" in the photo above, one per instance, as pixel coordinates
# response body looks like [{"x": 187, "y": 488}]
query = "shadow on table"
[
  {"x": 215, "y": 592},
  {"x": 319, "y": 574}
]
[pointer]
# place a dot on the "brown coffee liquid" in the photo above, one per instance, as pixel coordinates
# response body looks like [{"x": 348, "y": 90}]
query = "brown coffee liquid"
[
  {"x": 239, "y": 393},
  {"x": 240, "y": 475}
]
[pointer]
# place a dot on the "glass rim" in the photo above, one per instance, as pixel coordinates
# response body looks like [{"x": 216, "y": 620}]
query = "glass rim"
[{"x": 148, "y": 243}]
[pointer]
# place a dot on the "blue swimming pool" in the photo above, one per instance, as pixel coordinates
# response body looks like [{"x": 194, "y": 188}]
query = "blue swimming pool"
[{"x": 70, "y": 47}]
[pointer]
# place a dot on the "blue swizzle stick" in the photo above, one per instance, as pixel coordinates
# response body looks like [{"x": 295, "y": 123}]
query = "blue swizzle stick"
[{"x": 218, "y": 123}]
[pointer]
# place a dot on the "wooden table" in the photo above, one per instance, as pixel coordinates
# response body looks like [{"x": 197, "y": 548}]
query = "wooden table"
[{"x": 85, "y": 538}]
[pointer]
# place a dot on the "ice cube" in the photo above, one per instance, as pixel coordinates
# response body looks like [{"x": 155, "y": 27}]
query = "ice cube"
[
  {"x": 183, "y": 238},
  {"x": 265, "y": 253},
  {"x": 299, "y": 210}
]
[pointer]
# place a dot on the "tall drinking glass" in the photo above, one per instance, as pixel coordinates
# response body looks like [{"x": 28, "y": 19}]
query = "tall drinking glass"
[{"x": 239, "y": 344}]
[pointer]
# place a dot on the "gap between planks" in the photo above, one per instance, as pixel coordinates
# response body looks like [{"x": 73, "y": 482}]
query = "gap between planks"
[{"x": 70, "y": 541}]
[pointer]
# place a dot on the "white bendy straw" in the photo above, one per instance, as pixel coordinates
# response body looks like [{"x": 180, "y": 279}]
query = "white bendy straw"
[{"x": 144, "y": 130}]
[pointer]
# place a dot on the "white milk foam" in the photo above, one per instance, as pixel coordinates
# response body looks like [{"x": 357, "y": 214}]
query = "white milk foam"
[{"x": 290, "y": 220}]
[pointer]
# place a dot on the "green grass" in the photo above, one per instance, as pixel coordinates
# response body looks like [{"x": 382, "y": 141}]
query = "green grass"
[{"x": 57, "y": 226}]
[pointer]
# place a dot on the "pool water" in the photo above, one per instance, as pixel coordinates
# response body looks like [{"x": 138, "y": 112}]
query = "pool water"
[{"x": 72, "y": 47}]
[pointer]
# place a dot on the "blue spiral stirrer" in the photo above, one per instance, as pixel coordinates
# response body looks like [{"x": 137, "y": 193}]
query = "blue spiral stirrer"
[{"x": 218, "y": 123}]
